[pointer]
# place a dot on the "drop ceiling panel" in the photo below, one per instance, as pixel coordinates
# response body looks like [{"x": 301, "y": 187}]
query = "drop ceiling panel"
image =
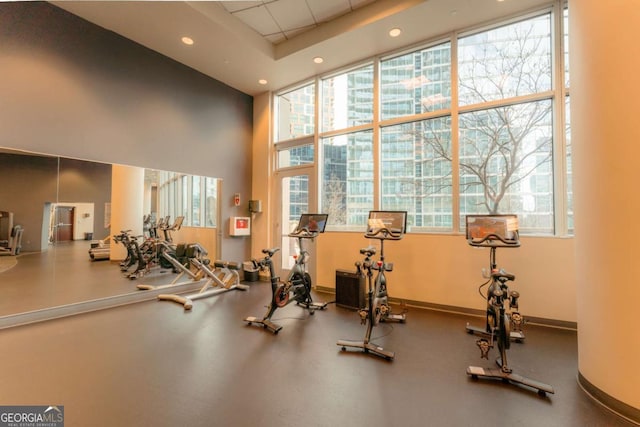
[
  {"x": 323, "y": 10},
  {"x": 291, "y": 14},
  {"x": 233, "y": 6},
  {"x": 259, "y": 19}
]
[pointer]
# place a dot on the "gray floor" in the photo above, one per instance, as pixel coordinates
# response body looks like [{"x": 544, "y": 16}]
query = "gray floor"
[
  {"x": 152, "y": 363},
  {"x": 65, "y": 274}
]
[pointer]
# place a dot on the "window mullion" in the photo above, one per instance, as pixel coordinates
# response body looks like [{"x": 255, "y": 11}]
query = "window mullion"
[
  {"x": 455, "y": 152},
  {"x": 377, "y": 166},
  {"x": 559, "y": 150}
]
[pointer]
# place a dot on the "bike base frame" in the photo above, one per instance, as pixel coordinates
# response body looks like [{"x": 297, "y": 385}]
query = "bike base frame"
[
  {"x": 367, "y": 347},
  {"x": 476, "y": 372}
]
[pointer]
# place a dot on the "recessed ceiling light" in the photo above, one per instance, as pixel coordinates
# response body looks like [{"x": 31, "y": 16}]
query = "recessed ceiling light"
[
  {"x": 395, "y": 32},
  {"x": 318, "y": 60},
  {"x": 187, "y": 40},
  {"x": 262, "y": 81}
]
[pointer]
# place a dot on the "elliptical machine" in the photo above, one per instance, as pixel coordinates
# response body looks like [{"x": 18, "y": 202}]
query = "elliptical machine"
[
  {"x": 298, "y": 284},
  {"x": 499, "y": 231},
  {"x": 383, "y": 225}
]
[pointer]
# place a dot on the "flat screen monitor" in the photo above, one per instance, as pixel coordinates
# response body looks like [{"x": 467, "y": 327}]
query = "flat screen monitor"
[
  {"x": 492, "y": 227},
  {"x": 394, "y": 221},
  {"x": 314, "y": 223}
]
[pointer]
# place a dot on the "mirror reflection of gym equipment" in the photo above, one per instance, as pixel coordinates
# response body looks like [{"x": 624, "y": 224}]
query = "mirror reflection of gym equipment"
[
  {"x": 382, "y": 225},
  {"x": 50, "y": 183},
  {"x": 298, "y": 285},
  {"x": 10, "y": 235},
  {"x": 493, "y": 232}
]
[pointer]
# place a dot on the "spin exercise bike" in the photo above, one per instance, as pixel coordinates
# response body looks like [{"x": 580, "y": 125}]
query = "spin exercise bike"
[
  {"x": 298, "y": 285},
  {"x": 499, "y": 231},
  {"x": 482, "y": 232},
  {"x": 382, "y": 225}
]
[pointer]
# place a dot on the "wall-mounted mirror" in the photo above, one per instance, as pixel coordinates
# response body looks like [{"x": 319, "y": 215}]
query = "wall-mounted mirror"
[{"x": 64, "y": 208}]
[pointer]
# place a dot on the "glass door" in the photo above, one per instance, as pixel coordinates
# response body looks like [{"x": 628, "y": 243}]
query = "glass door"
[{"x": 296, "y": 197}]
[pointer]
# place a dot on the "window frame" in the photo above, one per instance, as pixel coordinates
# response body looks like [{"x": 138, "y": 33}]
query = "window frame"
[{"x": 556, "y": 94}]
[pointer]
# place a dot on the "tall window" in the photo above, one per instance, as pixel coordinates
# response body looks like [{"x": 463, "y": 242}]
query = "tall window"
[
  {"x": 567, "y": 110},
  {"x": 294, "y": 146},
  {"x": 347, "y": 190},
  {"x": 505, "y": 163},
  {"x": 478, "y": 131},
  {"x": 295, "y": 113},
  {"x": 505, "y": 62},
  {"x": 347, "y": 159},
  {"x": 415, "y": 166},
  {"x": 347, "y": 99},
  {"x": 416, "y": 82}
]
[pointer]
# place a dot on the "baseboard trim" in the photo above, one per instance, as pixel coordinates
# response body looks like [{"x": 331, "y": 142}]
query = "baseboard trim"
[
  {"x": 619, "y": 408},
  {"x": 540, "y": 321}
]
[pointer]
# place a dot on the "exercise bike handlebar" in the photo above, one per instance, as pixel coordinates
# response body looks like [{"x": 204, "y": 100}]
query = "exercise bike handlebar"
[
  {"x": 264, "y": 262},
  {"x": 383, "y": 233},
  {"x": 303, "y": 233},
  {"x": 491, "y": 240}
]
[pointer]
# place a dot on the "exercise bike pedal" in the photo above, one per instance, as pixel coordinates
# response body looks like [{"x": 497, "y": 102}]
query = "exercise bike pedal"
[
  {"x": 315, "y": 305},
  {"x": 400, "y": 318},
  {"x": 484, "y": 347},
  {"x": 393, "y": 317},
  {"x": 364, "y": 315}
]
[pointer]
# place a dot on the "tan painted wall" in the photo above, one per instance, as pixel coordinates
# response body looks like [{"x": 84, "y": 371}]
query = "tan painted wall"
[
  {"x": 261, "y": 177},
  {"x": 206, "y": 237},
  {"x": 444, "y": 269},
  {"x": 605, "y": 100}
]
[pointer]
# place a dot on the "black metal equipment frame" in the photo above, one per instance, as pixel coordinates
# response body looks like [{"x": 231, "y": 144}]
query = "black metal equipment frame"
[
  {"x": 382, "y": 225},
  {"x": 499, "y": 231},
  {"x": 298, "y": 284}
]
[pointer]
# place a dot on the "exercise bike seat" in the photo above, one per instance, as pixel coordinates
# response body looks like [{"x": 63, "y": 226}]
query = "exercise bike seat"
[
  {"x": 270, "y": 252},
  {"x": 501, "y": 274},
  {"x": 368, "y": 251}
]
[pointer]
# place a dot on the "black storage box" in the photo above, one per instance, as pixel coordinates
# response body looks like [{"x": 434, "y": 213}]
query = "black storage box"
[
  {"x": 251, "y": 274},
  {"x": 350, "y": 289}
]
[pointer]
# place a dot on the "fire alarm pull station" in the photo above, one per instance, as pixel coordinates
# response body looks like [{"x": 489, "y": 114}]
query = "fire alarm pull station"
[
  {"x": 239, "y": 226},
  {"x": 236, "y": 199}
]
